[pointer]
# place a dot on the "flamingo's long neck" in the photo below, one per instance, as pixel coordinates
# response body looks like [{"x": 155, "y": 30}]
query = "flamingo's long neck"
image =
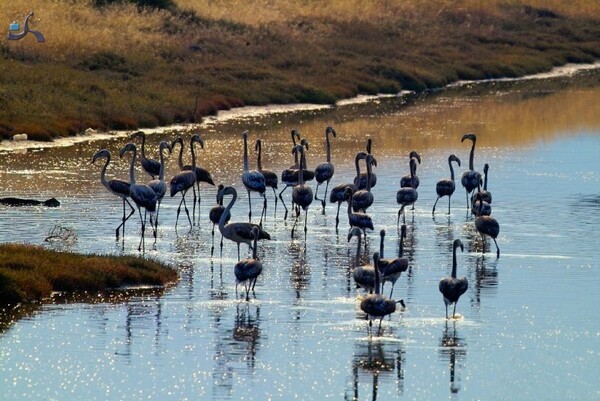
[
  {"x": 472, "y": 157},
  {"x": 103, "y": 172},
  {"x": 180, "y": 158},
  {"x": 193, "y": 156},
  {"x": 132, "y": 167},
  {"x": 369, "y": 175},
  {"x": 413, "y": 168},
  {"x": 259, "y": 158},
  {"x": 350, "y": 206},
  {"x": 485, "y": 181},
  {"x": 359, "y": 236},
  {"x": 453, "y": 275},
  {"x": 254, "y": 252},
  {"x": 381, "y": 240},
  {"x": 356, "y": 160},
  {"x": 301, "y": 170},
  {"x": 143, "y": 151},
  {"x": 161, "y": 172},
  {"x": 328, "y": 147},
  {"x": 227, "y": 210},
  {"x": 451, "y": 169},
  {"x": 377, "y": 278},
  {"x": 246, "y": 164}
]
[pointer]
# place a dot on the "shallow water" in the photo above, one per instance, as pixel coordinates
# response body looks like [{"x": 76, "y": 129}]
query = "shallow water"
[{"x": 528, "y": 322}]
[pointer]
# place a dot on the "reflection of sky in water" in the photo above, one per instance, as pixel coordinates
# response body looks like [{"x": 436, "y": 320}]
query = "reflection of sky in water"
[{"x": 529, "y": 322}]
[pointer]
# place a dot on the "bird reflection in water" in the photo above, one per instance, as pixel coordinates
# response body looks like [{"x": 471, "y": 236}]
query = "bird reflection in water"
[
  {"x": 486, "y": 277},
  {"x": 452, "y": 349},
  {"x": 246, "y": 332},
  {"x": 375, "y": 359}
]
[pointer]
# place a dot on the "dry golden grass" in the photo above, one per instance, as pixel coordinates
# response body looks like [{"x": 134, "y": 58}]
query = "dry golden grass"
[
  {"x": 260, "y": 12},
  {"x": 119, "y": 68}
]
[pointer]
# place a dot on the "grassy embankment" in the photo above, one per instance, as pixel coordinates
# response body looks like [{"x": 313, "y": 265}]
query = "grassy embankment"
[
  {"x": 117, "y": 67},
  {"x": 30, "y": 273}
]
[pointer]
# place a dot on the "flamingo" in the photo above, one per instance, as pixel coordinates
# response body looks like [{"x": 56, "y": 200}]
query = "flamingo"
[
  {"x": 480, "y": 207},
  {"x": 150, "y": 166},
  {"x": 405, "y": 181},
  {"x": 485, "y": 194},
  {"x": 237, "y": 232},
  {"x": 486, "y": 225},
  {"x": 159, "y": 186},
  {"x": 338, "y": 195},
  {"x": 451, "y": 287},
  {"x": 202, "y": 174},
  {"x": 142, "y": 195},
  {"x": 391, "y": 269},
  {"x": 446, "y": 187},
  {"x": 407, "y": 195},
  {"x": 356, "y": 219},
  {"x": 376, "y": 306},
  {"x": 470, "y": 178},
  {"x": 119, "y": 188},
  {"x": 361, "y": 182},
  {"x": 215, "y": 215},
  {"x": 363, "y": 198},
  {"x": 271, "y": 179},
  {"x": 289, "y": 176},
  {"x": 253, "y": 180},
  {"x": 364, "y": 275},
  {"x": 324, "y": 171},
  {"x": 302, "y": 195},
  {"x": 184, "y": 180},
  {"x": 247, "y": 270}
]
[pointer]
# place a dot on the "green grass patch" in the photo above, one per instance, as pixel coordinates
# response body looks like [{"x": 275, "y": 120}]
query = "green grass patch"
[{"x": 30, "y": 273}]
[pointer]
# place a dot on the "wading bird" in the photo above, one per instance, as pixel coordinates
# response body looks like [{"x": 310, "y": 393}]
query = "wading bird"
[
  {"x": 289, "y": 176},
  {"x": 406, "y": 180},
  {"x": 271, "y": 179},
  {"x": 159, "y": 186},
  {"x": 361, "y": 180},
  {"x": 202, "y": 174},
  {"x": 237, "y": 232},
  {"x": 376, "y": 306},
  {"x": 338, "y": 195},
  {"x": 364, "y": 275},
  {"x": 357, "y": 219},
  {"x": 363, "y": 198},
  {"x": 407, "y": 195},
  {"x": 119, "y": 188},
  {"x": 451, "y": 287},
  {"x": 485, "y": 194},
  {"x": 184, "y": 180},
  {"x": 302, "y": 195},
  {"x": 446, "y": 187},
  {"x": 142, "y": 195},
  {"x": 215, "y": 215},
  {"x": 324, "y": 171},
  {"x": 486, "y": 225},
  {"x": 150, "y": 166},
  {"x": 470, "y": 178},
  {"x": 253, "y": 180},
  {"x": 391, "y": 269},
  {"x": 247, "y": 271}
]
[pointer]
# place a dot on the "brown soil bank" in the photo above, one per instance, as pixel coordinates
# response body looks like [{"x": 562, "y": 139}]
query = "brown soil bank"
[
  {"x": 30, "y": 273},
  {"x": 121, "y": 66}
]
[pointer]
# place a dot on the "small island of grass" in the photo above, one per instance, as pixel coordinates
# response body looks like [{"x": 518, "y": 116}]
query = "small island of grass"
[{"x": 30, "y": 273}]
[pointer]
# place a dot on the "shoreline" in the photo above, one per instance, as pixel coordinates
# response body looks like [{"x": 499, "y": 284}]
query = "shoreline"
[{"x": 90, "y": 135}]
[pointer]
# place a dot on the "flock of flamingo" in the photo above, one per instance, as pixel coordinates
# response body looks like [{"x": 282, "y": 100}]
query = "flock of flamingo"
[{"x": 356, "y": 194}]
